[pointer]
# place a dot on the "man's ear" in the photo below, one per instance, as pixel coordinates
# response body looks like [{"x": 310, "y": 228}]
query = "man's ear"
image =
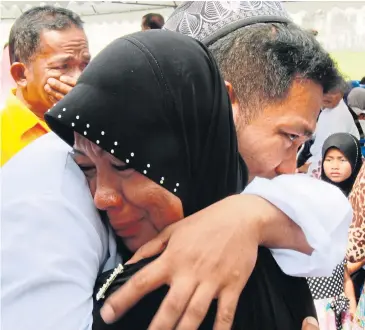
[
  {"x": 18, "y": 72},
  {"x": 234, "y": 101}
]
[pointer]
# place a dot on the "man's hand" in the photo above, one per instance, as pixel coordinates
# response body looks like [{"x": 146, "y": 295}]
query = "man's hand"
[
  {"x": 310, "y": 323},
  {"x": 208, "y": 255},
  {"x": 58, "y": 88}
]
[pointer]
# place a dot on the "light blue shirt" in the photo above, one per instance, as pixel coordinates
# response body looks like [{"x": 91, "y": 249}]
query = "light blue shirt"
[{"x": 53, "y": 243}]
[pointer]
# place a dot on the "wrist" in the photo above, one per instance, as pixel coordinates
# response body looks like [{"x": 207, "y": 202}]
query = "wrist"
[
  {"x": 270, "y": 226},
  {"x": 247, "y": 211}
]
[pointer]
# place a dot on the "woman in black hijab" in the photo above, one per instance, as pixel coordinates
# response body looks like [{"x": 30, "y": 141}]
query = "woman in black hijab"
[
  {"x": 156, "y": 103},
  {"x": 349, "y": 146}
]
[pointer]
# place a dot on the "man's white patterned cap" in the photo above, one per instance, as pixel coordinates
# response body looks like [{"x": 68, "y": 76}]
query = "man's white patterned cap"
[{"x": 209, "y": 21}]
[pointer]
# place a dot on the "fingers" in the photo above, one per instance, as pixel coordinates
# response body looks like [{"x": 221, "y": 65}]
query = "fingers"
[
  {"x": 310, "y": 323},
  {"x": 197, "y": 308},
  {"x": 227, "y": 304},
  {"x": 70, "y": 81},
  {"x": 174, "y": 304},
  {"x": 148, "y": 250},
  {"x": 53, "y": 94},
  {"x": 58, "y": 88},
  {"x": 153, "y": 247},
  {"x": 143, "y": 282}
]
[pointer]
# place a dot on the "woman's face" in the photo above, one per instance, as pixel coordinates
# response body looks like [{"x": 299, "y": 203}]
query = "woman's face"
[
  {"x": 336, "y": 166},
  {"x": 137, "y": 208}
]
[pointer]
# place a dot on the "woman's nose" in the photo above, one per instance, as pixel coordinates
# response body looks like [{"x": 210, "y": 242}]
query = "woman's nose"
[{"x": 106, "y": 198}]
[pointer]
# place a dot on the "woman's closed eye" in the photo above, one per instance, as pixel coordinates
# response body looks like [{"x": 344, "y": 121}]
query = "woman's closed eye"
[
  {"x": 88, "y": 170},
  {"x": 121, "y": 167},
  {"x": 124, "y": 168}
]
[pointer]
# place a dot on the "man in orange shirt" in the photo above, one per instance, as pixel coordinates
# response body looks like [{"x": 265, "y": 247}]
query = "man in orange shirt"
[{"x": 48, "y": 50}]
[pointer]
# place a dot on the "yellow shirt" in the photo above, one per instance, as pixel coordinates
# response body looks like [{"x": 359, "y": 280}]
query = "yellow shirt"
[{"x": 19, "y": 127}]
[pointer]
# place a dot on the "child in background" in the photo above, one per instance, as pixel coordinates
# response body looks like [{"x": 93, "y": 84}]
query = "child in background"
[{"x": 334, "y": 296}]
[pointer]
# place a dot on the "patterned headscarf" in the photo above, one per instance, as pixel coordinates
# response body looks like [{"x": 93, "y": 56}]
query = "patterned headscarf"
[
  {"x": 356, "y": 247},
  {"x": 209, "y": 21}
]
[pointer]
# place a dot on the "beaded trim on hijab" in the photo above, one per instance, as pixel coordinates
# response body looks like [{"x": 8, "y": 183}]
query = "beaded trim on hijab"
[
  {"x": 127, "y": 160},
  {"x": 101, "y": 293}
]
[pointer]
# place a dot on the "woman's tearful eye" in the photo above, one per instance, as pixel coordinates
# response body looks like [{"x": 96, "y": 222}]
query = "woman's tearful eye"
[
  {"x": 89, "y": 171},
  {"x": 125, "y": 169}
]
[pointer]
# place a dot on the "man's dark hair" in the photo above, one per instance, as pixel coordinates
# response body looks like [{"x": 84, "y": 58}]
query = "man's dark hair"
[
  {"x": 25, "y": 33},
  {"x": 362, "y": 81},
  {"x": 153, "y": 21},
  {"x": 262, "y": 60},
  {"x": 342, "y": 87}
]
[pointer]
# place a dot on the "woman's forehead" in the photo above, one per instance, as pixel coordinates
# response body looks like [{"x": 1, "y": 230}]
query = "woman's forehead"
[
  {"x": 83, "y": 144},
  {"x": 334, "y": 151},
  {"x": 87, "y": 148}
]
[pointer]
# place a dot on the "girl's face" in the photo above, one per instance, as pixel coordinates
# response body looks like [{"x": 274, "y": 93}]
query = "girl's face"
[{"x": 336, "y": 166}]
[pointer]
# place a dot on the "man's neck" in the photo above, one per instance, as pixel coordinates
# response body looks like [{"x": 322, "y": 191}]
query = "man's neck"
[{"x": 19, "y": 95}]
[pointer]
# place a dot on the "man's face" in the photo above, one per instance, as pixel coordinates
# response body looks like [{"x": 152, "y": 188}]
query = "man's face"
[
  {"x": 60, "y": 53},
  {"x": 269, "y": 144},
  {"x": 331, "y": 100}
]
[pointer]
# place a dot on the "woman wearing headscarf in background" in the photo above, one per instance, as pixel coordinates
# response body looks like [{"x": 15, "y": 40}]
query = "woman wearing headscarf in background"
[
  {"x": 356, "y": 102},
  {"x": 334, "y": 296},
  {"x": 155, "y": 136},
  {"x": 346, "y": 148}
]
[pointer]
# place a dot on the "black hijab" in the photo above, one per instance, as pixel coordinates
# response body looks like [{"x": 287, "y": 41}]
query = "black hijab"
[
  {"x": 156, "y": 101},
  {"x": 350, "y": 147}
]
